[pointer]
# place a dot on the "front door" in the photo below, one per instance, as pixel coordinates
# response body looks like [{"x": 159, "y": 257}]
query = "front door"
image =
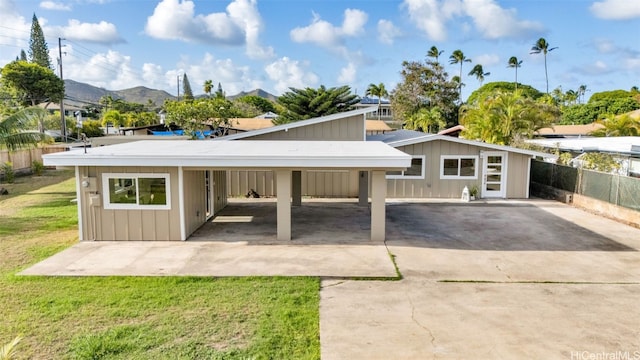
[{"x": 494, "y": 171}]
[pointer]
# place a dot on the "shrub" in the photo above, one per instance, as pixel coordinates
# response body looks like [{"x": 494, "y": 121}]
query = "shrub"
[
  {"x": 37, "y": 167},
  {"x": 9, "y": 174}
]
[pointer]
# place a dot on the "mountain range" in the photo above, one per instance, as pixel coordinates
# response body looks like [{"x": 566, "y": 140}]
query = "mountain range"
[{"x": 84, "y": 94}]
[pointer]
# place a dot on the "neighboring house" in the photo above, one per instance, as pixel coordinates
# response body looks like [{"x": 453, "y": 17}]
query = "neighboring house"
[
  {"x": 443, "y": 165},
  {"x": 383, "y": 113},
  {"x": 568, "y": 131},
  {"x": 625, "y": 149}
]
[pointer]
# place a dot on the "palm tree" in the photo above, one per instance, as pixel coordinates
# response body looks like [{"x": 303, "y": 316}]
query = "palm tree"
[
  {"x": 515, "y": 63},
  {"x": 479, "y": 73},
  {"x": 581, "y": 91},
  {"x": 542, "y": 46},
  {"x": 208, "y": 86},
  {"x": 434, "y": 53},
  {"x": 618, "y": 125},
  {"x": 14, "y": 133},
  {"x": 379, "y": 91},
  {"x": 457, "y": 57}
]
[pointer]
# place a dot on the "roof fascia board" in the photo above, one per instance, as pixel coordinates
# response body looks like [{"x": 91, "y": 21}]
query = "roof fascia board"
[{"x": 431, "y": 137}]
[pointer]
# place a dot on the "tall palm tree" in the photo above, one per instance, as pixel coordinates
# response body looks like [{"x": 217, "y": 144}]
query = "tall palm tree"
[
  {"x": 515, "y": 63},
  {"x": 434, "y": 53},
  {"x": 14, "y": 133},
  {"x": 208, "y": 86},
  {"x": 457, "y": 57},
  {"x": 542, "y": 46},
  {"x": 581, "y": 91},
  {"x": 618, "y": 125},
  {"x": 377, "y": 90},
  {"x": 479, "y": 73}
]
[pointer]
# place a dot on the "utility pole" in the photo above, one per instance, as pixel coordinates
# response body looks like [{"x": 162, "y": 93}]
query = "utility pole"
[
  {"x": 178, "y": 85},
  {"x": 63, "y": 123}
]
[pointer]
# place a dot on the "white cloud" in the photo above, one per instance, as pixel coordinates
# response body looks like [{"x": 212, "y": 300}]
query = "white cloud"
[
  {"x": 491, "y": 20},
  {"x": 99, "y": 33},
  {"x": 616, "y": 9},
  {"x": 487, "y": 60},
  {"x": 324, "y": 34},
  {"x": 347, "y": 74},
  {"x": 111, "y": 70},
  {"x": 286, "y": 73},
  {"x": 52, "y": 5},
  {"x": 15, "y": 32},
  {"x": 246, "y": 12},
  {"x": 387, "y": 32},
  {"x": 605, "y": 46},
  {"x": 494, "y": 22}
]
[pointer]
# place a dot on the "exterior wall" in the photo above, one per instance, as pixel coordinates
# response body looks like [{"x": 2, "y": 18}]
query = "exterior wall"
[
  {"x": 433, "y": 187},
  {"x": 351, "y": 128},
  {"x": 99, "y": 223},
  {"x": 195, "y": 207},
  {"x": 319, "y": 183},
  {"x": 220, "y": 194}
]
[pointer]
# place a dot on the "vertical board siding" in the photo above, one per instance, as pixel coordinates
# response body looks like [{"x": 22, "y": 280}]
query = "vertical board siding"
[
  {"x": 219, "y": 190},
  {"x": 195, "y": 206},
  {"x": 347, "y": 129},
  {"x": 318, "y": 183},
  {"x": 153, "y": 225},
  {"x": 433, "y": 187}
]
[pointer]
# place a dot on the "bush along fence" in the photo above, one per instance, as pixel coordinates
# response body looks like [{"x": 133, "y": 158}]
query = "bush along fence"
[{"x": 615, "y": 189}]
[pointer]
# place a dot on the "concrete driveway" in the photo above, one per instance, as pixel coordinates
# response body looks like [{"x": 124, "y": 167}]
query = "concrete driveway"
[{"x": 498, "y": 280}]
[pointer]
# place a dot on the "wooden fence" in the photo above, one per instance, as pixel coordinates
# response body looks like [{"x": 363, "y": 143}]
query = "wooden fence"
[{"x": 23, "y": 159}]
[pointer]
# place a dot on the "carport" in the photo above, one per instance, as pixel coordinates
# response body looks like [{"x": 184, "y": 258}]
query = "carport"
[{"x": 176, "y": 162}]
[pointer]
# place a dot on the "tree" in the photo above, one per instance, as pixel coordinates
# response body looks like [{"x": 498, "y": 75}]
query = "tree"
[
  {"x": 302, "y": 104},
  {"x": 506, "y": 117},
  {"x": 542, "y": 46},
  {"x": 208, "y": 86},
  {"x": 34, "y": 83},
  {"x": 489, "y": 90},
  {"x": 186, "y": 87},
  {"x": 426, "y": 120},
  {"x": 479, "y": 73},
  {"x": 457, "y": 57},
  {"x": 581, "y": 92},
  {"x": 379, "y": 91},
  {"x": 424, "y": 85},
  {"x": 14, "y": 131},
  {"x": 620, "y": 125},
  {"x": 115, "y": 118},
  {"x": 434, "y": 53},
  {"x": 261, "y": 103},
  {"x": 220, "y": 93},
  {"x": 23, "y": 56},
  {"x": 515, "y": 63},
  {"x": 193, "y": 116},
  {"x": 38, "y": 50}
]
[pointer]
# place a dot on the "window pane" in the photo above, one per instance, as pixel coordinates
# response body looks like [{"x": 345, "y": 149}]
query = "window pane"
[
  {"x": 152, "y": 191},
  {"x": 467, "y": 167},
  {"x": 415, "y": 169},
  {"x": 450, "y": 167},
  {"x": 122, "y": 191}
]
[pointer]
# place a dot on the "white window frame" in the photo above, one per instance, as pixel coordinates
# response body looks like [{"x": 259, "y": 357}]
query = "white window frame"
[
  {"x": 402, "y": 176},
  {"x": 115, "y": 206},
  {"x": 475, "y": 158}
]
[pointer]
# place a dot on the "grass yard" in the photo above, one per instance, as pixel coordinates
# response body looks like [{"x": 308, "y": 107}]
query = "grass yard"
[{"x": 136, "y": 317}]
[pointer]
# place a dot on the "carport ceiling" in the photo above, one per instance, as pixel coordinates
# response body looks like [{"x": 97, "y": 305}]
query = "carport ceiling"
[{"x": 239, "y": 154}]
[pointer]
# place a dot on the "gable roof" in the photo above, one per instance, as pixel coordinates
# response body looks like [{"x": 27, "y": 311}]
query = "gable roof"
[
  {"x": 301, "y": 123},
  {"x": 569, "y": 130},
  {"x": 415, "y": 139}
]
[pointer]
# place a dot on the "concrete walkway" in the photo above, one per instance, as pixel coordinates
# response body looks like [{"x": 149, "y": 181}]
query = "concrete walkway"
[{"x": 216, "y": 259}]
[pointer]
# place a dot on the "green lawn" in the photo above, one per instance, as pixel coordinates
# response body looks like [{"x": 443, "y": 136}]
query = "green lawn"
[{"x": 136, "y": 317}]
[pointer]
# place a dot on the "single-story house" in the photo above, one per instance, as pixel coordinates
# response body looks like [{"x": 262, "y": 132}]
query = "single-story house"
[{"x": 167, "y": 189}]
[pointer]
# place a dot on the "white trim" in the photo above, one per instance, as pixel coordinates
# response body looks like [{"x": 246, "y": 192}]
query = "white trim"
[
  {"x": 528, "y": 176},
  {"x": 301, "y": 123},
  {"x": 504, "y": 179},
  {"x": 402, "y": 176},
  {"x": 80, "y": 204},
  {"x": 459, "y": 157},
  {"x": 432, "y": 137},
  {"x": 108, "y": 205},
  {"x": 183, "y": 225}
]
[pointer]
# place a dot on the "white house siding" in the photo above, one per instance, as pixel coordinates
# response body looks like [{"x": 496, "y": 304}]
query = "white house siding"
[
  {"x": 195, "y": 206},
  {"x": 102, "y": 224},
  {"x": 346, "y": 129}
]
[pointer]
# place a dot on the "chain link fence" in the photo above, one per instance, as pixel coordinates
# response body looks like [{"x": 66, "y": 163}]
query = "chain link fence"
[{"x": 616, "y": 189}]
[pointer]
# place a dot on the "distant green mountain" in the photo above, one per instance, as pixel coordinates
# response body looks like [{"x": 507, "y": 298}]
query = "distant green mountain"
[{"x": 88, "y": 94}]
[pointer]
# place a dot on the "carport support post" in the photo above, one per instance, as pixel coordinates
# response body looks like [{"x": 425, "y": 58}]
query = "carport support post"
[
  {"x": 363, "y": 188},
  {"x": 296, "y": 189},
  {"x": 378, "y": 197},
  {"x": 283, "y": 191}
]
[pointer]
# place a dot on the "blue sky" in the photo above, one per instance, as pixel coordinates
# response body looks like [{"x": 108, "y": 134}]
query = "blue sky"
[{"x": 277, "y": 44}]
